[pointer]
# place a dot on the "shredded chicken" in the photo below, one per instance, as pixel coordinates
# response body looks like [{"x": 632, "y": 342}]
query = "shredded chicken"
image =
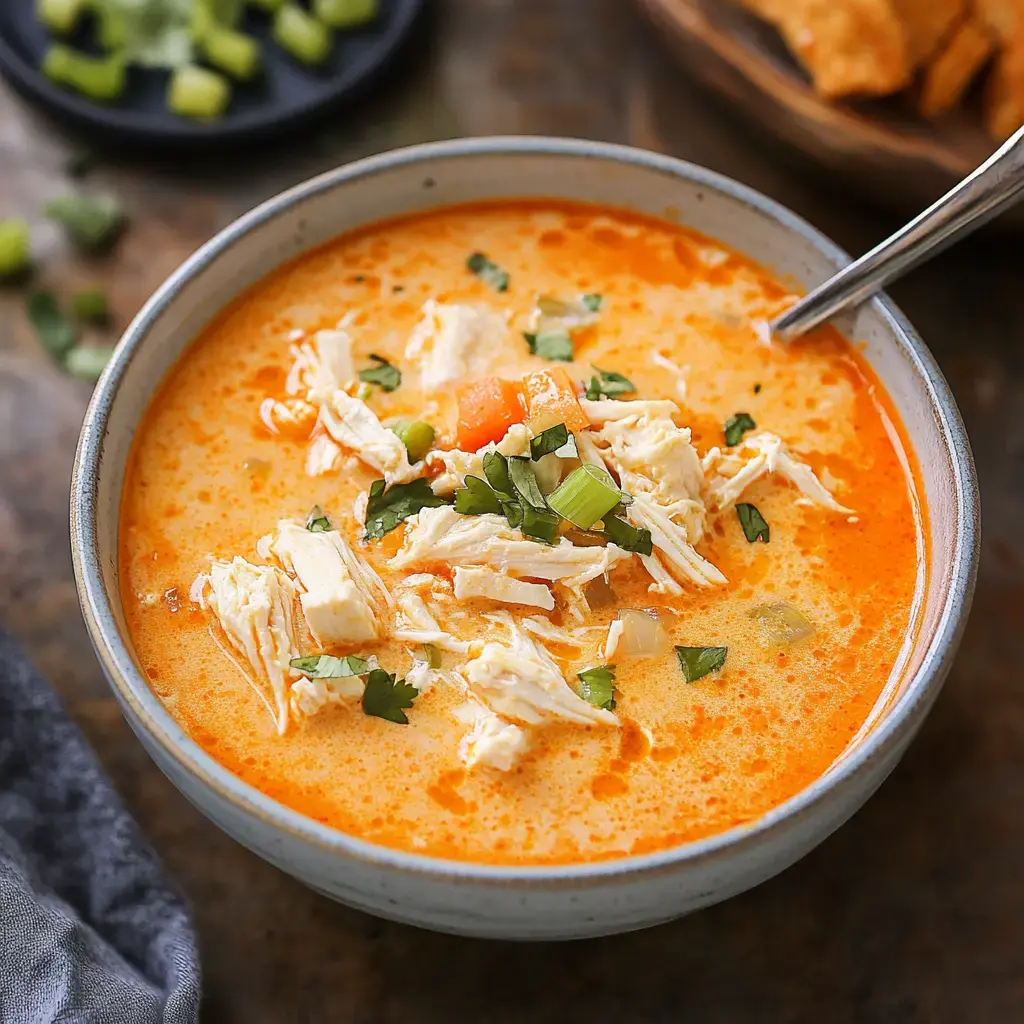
[
  {"x": 417, "y": 625},
  {"x": 492, "y": 741},
  {"x": 604, "y": 410},
  {"x": 457, "y": 464},
  {"x": 670, "y": 536},
  {"x": 253, "y": 604},
  {"x": 310, "y": 696},
  {"x": 322, "y": 366},
  {"x": 729, "y": 473},
  {"x": 454, "y": 342},
  {"x": 479, "y": 581},
  {"x": 442, "y": 535}
]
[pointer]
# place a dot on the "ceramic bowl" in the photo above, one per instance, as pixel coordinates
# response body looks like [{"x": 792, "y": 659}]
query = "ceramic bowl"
[{"x": 501, "y": 901}]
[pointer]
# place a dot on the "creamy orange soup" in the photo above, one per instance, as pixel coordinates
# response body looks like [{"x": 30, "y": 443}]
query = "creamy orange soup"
[{"x": 788, "y": 537}]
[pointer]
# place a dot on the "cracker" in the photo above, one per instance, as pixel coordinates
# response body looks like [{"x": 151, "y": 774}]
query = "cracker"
[
  {"x": 1001, "y": 16},
  {"x": 927, "y": 24},
  {"x": 849, "y": 47},
  {"x": 949, "y": 74},
  {"x": 1004, "y": 100}
]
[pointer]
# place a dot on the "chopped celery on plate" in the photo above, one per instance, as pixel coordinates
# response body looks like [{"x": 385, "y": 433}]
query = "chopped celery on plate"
[
  {"x": 346, "y": 13},
  {"x": 99, "y": 78},
  {"x": 59, "y": 16},
  {"x": 198, "y": 93},
  {"x": 303, "y": 36},
  {"x": 232, "y": 52}
]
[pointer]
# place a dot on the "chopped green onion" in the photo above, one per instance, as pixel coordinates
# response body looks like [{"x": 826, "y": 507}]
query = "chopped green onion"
[
  {"x": 54, "y": 331},
  {"x": 592, "y": 301},
  {"x": 496, "y": 470},
  {"x": 386, "y": 508},
  {"x": 327, "y": 666},
  {"x": 90, "y": 305},
  {"x": 549, "y": 441},
  {"x": 488, "y": 272},
  {"x": 99, "y": 78},
  {"x": 586, "y": 495},
  {"x": 346, "y": 13},
  {"x": 433, "y": 655},
  {"x": 609, "y": 384},
  {"x": 597, "y": 686},
  {"x": 318, "y": 521},
  {"x": 385, "y": 375},
  {"x": 59, "y": 16},
  {"x": 298, "y": 32},
  {"x": 555, "y": 345},
  {"x": 198, "y": 93},
  {"x": 736, "y": 426},
  {"x": 15, "y": 256},
  {"x": 697, "y": 662},
  {"x": 539, "y": 524},
  {"x": 88, "y": 361},
  {"x": 417, "y": 436},
  {"x": 477, "y": 498},
  {"x": 229, "y": 51},
  {"x": 91, "y": 222},
  {"x": 754, "y": 526},
  {"x": 520, "y": 472},
  {"x": 385, "y": 698},
  {"x": 627, "y": 536}
]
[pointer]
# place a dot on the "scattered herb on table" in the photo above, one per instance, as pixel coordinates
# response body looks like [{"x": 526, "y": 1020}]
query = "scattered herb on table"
[
  {"x": 91, "y": 222},
  {"x": 53, "y": 329},
  {"x": 91, "y": 305},
  {"x": 697, "y": 662}
]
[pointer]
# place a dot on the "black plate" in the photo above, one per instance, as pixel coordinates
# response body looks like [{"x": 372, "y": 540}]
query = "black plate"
[{"x": 286, "y": 96}]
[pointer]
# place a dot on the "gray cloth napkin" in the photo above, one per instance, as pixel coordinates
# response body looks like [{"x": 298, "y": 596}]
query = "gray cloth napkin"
[{"x": 90, "y": 927}]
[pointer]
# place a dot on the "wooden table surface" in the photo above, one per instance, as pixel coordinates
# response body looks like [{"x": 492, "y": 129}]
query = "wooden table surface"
[{"x": 914, "y": 911}]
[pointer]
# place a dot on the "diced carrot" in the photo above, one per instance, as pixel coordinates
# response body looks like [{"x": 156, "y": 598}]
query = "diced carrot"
[
  {"x": 551, "y": 399},
  {"x": 487, "y": 408}
]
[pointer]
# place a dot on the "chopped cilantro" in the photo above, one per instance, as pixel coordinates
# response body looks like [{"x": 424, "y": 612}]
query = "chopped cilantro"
[
  {"x": 754, "y": 526},
  {"x": 317, "y": 521},
  {"x": 385, "y": 698},
  {"x": 387, "y": 508},
  {"x": 597, "y": 686},
  {"x": 477, "y": 498},
  {"x": 52, "y": 328},
  {"x": 540, "y": 523},
  {"x": 91, "y": 222},
  {"x": 496, "y": 470},
  {"x": 548, "y": 441},
  {"x": 592, "y": 301},
  {"x": 511, "y": 490},
  {"x": 384, "y": 374},
  {"x": 736, "y": 426},
  {"x": 555, "y": 345},
  {"x": 488, "y": 272},
  {"x": 327, "y": 666},
  {"x": 697, "y": 662},
  {"x": 609, "y": 384},
  {"x": 520, "y": 472},
  {"x": 757, "y": 389},
  {"x": 627, "y": 536}
]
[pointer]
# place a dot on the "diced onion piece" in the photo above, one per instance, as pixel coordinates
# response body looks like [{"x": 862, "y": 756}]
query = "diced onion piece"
[
  {"x": 586, "y": 495},
  {"x": 417, "y": 436},
  {"x": 14, "y": 247},
  {"x": 599, "y": 593},
  {"x": 642, "y": 635},
  {"x": 198, "y": 93},
  {"x": 298, "y": 32},
  {"x": 781, "y": 623},
  {"x": 346, "y": 13},
  {"x": 99, "y": 78}
]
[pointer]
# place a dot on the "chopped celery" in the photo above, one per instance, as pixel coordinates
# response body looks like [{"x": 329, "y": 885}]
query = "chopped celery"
[
  {"x": 224, "y": 12},
  {"x": 586, "y": 495},
  {"x": 88, "y": 362},
  {"x": 90, "y": 305},
  {"x": 91, "y": 222},
  {"x": 298, "y": 32},
  {"x": 14, "y": 247},
  {"x": 59, "y": 16},
  {"x": 417, "y": 436},
  {"x": 111, "y": 27},
  {"x": 346, "y": 13},
  {"x": 99, "y": 78},
  {"x": 198, "y": 93},
  {"x": 271, "y": 6},
  {"x": 232, "y": 52}
]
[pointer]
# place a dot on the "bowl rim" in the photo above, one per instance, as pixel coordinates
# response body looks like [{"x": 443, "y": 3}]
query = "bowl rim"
[{"x": 134, "y": 693}]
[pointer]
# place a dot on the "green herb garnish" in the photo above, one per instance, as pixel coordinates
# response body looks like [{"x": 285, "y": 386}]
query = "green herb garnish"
[
  {"x": 318, "y": 521},
  {"x": 609, "y": 384},
  {"x": 597, "y": 686},
  {"x": 697, "y": 662},
  {"x": 496, "y": 470},
  {"x": 385, "y": 698},
  {"x": 91, "y": 305},
  {"x": 488, "y": 272},
  {"x": 327, "y": 666},
  {"x": 754, "y": 526},
  {"x": 736, "y": 426},
  {"x": 524, "y": 482},
  {"x": 56, "y": 333},
  {"x": 383, "y": 374},
  {"x": 91, "y": 222},
  {"x": 757, "y": 389},
  {"x": 627, "y": 536},
  {"x": 549, "y": 441},
  {"x": 555, "y": 345},
  {"x": 387, "y": 508},
  {"x": 477, "y": 498},
  {"x": 540, "y": 523},
  {"x": 592, "y": 301}
]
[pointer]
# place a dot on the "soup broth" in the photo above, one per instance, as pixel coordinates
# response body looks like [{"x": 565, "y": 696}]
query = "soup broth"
[{"x": 789, "y": 536}]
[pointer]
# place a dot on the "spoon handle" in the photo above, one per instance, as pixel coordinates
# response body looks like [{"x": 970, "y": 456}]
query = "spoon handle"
[{"x": 997, "y": 183}]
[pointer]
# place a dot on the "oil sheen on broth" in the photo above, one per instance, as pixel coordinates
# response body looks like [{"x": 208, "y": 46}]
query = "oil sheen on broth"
[{"x": 502, "y": 759}]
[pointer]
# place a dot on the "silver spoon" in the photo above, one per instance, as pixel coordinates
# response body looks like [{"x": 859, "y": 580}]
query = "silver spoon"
[{"x": 986, "y": 191}]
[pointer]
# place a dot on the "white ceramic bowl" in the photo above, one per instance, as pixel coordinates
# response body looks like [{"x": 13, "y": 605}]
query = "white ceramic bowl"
[{"x": 520, "y": 902}]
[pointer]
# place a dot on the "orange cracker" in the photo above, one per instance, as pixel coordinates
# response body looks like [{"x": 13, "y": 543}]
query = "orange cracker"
[
  {"x": 947, "y": 77},
  {"x": 927, "y": 24}
]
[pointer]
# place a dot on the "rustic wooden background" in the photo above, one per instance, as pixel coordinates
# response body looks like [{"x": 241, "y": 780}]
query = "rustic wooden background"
[{"x": 913, "y": 912}]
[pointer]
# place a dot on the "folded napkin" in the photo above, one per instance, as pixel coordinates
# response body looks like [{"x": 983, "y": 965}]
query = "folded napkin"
[{"x": 90, "y": 927}]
